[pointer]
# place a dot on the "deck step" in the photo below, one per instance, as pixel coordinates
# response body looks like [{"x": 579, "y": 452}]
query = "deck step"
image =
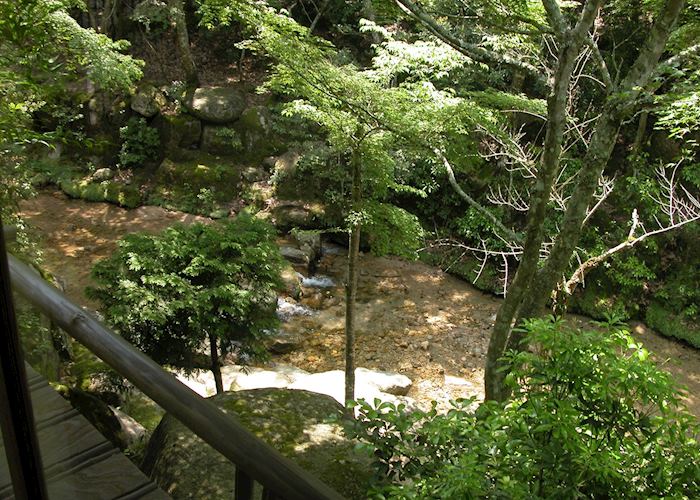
[{"x": 79, "y": 463}]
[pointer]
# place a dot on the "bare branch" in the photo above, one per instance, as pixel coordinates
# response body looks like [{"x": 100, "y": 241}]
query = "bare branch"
[
  {"x": 476, "y": 205},
  {"x": 606, "y": 186},
  {"x": 602, "y": 66},
  {"x": 680, "y": 211}
]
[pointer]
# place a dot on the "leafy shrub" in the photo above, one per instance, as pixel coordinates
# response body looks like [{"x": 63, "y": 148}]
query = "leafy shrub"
[
  {"x": 667, "y": 322},
  {"x": 392, "y": 230},
  {"x": 172, "y": 292},
  {"x": 591, "y": 417},
  {"x": 140, "y": 143},
  {"x": 154, "y": 15}
]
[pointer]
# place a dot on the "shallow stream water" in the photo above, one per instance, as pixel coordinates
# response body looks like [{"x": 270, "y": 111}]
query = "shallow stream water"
[{"x": 411, "y": 318}]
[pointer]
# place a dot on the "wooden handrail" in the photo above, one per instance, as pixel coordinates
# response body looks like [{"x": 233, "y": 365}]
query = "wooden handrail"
[
  {"x": 9, "y": 233},
  {"x": 222, "y": 432}
]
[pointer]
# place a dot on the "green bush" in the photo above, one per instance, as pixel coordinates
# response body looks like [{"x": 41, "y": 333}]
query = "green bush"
[
  {"x": 671, "y": 324},
  {"x": 140, "y": 143},
  {"x": 171, "y": 293},
  {"x": 591, "y": 417}
]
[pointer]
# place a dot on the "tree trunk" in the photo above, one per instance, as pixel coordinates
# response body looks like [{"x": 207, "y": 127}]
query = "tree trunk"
[
  {"x": 319, "y": 14},
  {"x": 177, "y": 10},
  {"x": 215, "y": 365},
  {"x": 531, "y": 289},
  {"x": 534, "y": 230},
  {"x": 641, "y": 132},
  {"x": 108, "y": 9},
  {"x": 351, "y": 285}
]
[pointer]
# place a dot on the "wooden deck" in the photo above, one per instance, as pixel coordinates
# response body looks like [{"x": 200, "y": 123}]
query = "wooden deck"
[{"x": 79, "y": 463}]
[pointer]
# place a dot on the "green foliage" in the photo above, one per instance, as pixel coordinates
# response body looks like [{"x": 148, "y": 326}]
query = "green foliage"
[
  {"x": 392, "y": 230},
  {"x": 99, "y": 55},
  {"x": 154, "y": 15},
  {"x": 398, "y": 60},
  {"x": 666, "y": 321},
  {"x": 140, "y": 143},
  {"x": 196, "y": 186},
  {"x": 591, "y": 417},
  {"x": 168, "y": 293}
]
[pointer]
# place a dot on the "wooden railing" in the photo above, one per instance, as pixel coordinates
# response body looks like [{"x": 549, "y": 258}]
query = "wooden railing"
[{"x": 254, "y": 459}]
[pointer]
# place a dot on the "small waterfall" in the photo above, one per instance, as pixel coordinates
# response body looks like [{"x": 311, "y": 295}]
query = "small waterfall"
[
  {"x": 287, "y": 310},
  {"x": 317, "y": 281}
]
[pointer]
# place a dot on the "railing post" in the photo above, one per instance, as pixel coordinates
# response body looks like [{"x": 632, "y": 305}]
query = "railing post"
[
  {"x": 243, "y": 489},
  {"x": 16, "y": 417}
]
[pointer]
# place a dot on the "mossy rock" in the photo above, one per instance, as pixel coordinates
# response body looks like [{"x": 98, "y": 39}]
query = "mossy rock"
[
  {"x": 465, "y": 268},
  {"x": 597, "y": 302},
  {"x": 294, "y": 215},
  {"x": 221, "y": 140},
  {"x": 293, "y": 422},
  {"x": 178, "y": 131},
  {"x": 671, "y": 324},
  {"x": 124, "y": 195},
  {"x": 216, "y": 104},
  {"x": 98, "y": 414},
  {"x": 255, "y": 129},
  {"x": 195, "y": 185},
  {"x": 148, "y": 101}
]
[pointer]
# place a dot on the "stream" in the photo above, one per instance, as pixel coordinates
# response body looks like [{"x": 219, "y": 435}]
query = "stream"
[{"x": 411, "y": 318}]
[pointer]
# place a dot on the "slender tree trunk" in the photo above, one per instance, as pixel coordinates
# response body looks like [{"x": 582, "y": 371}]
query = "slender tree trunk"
[
  {"x": 351, "y": 285},
  {"x": 570, "y": 44},
  {"x": 641, "y": 132},
  {"x": 92, "y": 14},
  {"x": 215, "y": 365},
  {"x": 534, "y": 231},
  {"x": 108, "y": 9},
  {"x": 319, "y": 15},
  {"x": 528, "y": 296},
  {"x": 177, "y": 10}
]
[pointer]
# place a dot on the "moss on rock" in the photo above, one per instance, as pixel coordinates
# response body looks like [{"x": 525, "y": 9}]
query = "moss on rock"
[
  {"x": 673, "y": 325},
  {"x": 293, "y": 422}
]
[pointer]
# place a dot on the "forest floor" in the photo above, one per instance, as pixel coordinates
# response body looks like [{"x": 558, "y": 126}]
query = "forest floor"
[{"x": 412, "y": 318}]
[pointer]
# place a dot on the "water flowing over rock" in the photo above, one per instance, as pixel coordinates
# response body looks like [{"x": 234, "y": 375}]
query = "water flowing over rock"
[
  {"x": 216, "y": 104},
  {"x": 293, "y": 422},
  {"x": 318, "y": 281},
  {"x": 287, "y": 309},
  {"x": 369, "y": 384}
]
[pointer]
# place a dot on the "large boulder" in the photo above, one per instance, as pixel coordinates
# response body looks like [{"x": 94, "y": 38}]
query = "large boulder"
[
  {"x": 255, "y": 127},
  {"x": 293, "y": 422},
  {"x": 292, "y": 215},
  {"x": 309, "y": 241},
  {"x": 369, "y": 384},
  {"x": 296, "y": 256},
  {"x": 216, "y": 104},
  {"x": 221, "y": 140},
  {"x": 148, "y": 101},
  {"x": 178, "y": 131},
  {"x": 292, "y": 281}
]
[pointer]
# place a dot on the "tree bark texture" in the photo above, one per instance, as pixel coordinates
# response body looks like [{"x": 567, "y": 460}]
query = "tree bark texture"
[
  {"x": 531, "y": 288},
  {"x": 570, "y": 47},
  {"x": 177, "y": 11},
  {"x": 215, "y": 365},
  {"x": 351, "y": 285}
]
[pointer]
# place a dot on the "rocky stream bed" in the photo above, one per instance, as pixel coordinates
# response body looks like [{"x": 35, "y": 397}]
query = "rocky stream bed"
[{"x": 413, "y": 319}]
